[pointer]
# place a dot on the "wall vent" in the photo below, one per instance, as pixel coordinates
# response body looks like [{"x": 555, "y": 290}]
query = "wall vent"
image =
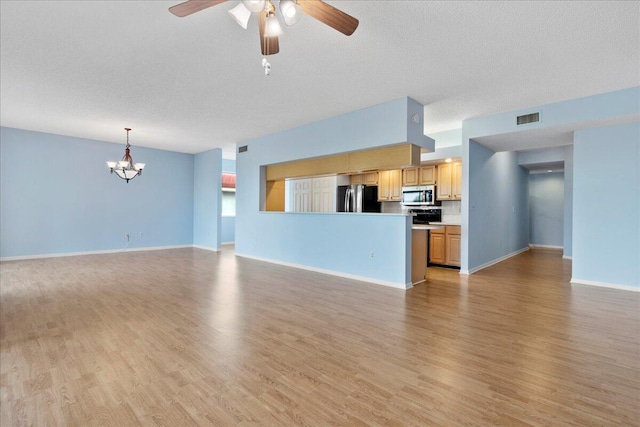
[
  {"x": 528, "y": 118},
  {"x": 243, "y": 148}
]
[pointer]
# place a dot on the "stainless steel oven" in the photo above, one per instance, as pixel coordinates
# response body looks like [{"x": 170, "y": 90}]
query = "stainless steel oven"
[{"x": 423, "y": 195}]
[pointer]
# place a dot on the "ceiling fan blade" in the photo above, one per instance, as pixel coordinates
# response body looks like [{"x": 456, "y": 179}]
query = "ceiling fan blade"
[
  {"x": 327, "y": 14},
  {"x": 268, "y": 45},
  {"x": 192, "y": 6}
]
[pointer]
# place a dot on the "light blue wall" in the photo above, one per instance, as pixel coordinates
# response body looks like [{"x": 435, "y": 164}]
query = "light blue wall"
[
  {"x": 57, "y": 196},
  {"x": 229, "y": 165},
  {"x": 369, "y": 246},
  {"x": 568, "y": 202},
  {"x": 606, "y": 205},
  {"x": 207, "y": 199},
  {"x": 228, "y": 222},
  {"x": 498, "y": 200},
  {"x": 619, "y": 105},
  {"x": 546, "y": 155},
  {"x": 622, "y": 103},
  {"x": 565, "y": 155},
  {"x": 447, "y": 138},
  {"x": 442, "y": 153},
  {"x": 546, "y": 208},
  {"x": 342, "y": 243},
  {"x": 228, "y": 229}
]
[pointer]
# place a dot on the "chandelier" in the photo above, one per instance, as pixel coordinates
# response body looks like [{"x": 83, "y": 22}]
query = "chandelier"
[{"x": 125, "y": 168}]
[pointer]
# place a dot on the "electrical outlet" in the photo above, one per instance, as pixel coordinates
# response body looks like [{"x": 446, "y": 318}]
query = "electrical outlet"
[
  {"x": 371, "y": 254},
  {"x": 141, "y": 235},
  {"x": 127, "y": 236}
]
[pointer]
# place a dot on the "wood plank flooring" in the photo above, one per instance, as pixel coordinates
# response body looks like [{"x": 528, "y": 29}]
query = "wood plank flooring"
[{"x": 189, "y": 337}]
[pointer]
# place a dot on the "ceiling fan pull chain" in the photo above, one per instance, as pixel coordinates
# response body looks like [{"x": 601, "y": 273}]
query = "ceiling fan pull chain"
[{"x": 266, "y": 66}]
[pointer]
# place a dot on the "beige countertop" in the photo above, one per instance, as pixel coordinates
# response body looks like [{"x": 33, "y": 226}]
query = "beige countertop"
[{"x": 427, "y": 226}]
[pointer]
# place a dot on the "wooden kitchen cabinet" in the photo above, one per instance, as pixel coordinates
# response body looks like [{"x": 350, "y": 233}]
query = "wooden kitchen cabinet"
[
  {"x": 449, "y": 181},
  {"x": 410, "y": 177},
  {"x": 437, "y": 245},
  {"x": 444, "y": 246},
  {"x": 425, "y": 175},
  {"x": 456, "y": 181},
  {"x": 452, "y": 245},
  {"x": 369, "y": 178},
  {"x": 390, "y": 185}
]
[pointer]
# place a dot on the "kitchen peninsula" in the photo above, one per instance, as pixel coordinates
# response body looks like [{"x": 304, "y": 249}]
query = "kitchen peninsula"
[{"x": 371, "y": 247}]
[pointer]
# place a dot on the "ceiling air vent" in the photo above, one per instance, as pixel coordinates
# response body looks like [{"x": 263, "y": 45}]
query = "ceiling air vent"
[
  {"x": 243, "y": 149},
  {"x": 528, "y": 118}
]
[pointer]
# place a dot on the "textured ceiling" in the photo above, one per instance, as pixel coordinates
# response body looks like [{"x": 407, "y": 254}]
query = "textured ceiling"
[{"x": 90, "y": 68}]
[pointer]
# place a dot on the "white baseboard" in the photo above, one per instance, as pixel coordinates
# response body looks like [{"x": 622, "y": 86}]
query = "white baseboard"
[
  {"x": 107, "y": 251},
  {"x": 404, "y": 286},
  {"x": 575, "y": 281},
  {"x": 206, "y": 248},
  {"x": 532, "y": 245},
  {"x": 495, "y": 261},
  {"x": 567, "y": 257},
  {"x": 228, "y": 243}
]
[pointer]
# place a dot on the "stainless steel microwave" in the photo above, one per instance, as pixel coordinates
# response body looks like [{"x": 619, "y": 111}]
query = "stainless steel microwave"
[{"x": 423, "y": 195}]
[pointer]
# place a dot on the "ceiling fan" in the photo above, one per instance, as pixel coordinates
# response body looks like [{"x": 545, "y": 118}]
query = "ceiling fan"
[{"x": 268, "y": 23}]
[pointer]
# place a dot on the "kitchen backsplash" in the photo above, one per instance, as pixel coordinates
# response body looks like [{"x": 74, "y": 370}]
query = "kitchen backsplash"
[
  {"x": 451, "y": 211},
  {"x": 392, "y": 207}
]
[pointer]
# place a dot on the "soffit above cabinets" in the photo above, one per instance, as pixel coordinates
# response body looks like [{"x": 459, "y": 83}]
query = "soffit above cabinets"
[{"x": 390, "y": 157}]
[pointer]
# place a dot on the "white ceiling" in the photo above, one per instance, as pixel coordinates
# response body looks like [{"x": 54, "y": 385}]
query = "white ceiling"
[{"x": 90, "y": 68}]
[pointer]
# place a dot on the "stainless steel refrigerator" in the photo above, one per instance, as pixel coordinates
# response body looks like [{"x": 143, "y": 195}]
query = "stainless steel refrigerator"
[{"x": 357, "y": 198}]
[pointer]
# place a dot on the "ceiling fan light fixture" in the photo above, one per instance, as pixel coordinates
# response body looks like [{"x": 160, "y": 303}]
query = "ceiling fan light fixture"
[
  {"x": 241, "y": 15},
  {"x": 272, "y": 27},
  {"x": 290, "y": 11},
  {"x": 254, "y": 5}
]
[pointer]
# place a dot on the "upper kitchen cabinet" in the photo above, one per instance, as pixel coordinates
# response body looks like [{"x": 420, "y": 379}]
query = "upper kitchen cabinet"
[
  {"x": 425, "y": 175},
  {"x": 410, "y": 177},
  {"x": 456, "y": 181},
  {"x": 449, "y": 181},
  {"x": 390, "y": 186},
  {"x": 368, "y": 178}
]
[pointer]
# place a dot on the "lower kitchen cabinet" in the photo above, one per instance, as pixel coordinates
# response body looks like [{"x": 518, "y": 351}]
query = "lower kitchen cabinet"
[
  {"x": 437, "y": 244},
  {"x": 444, "y": 246},
  {"x": 452, "y": 250}
]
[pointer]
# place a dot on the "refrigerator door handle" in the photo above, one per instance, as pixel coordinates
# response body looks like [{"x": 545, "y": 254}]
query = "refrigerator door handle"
[{"x": 347, "y": 200}]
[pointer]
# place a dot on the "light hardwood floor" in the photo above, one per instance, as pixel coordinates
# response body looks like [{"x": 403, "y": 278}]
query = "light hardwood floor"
[{"x": 189, "y": 337}]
